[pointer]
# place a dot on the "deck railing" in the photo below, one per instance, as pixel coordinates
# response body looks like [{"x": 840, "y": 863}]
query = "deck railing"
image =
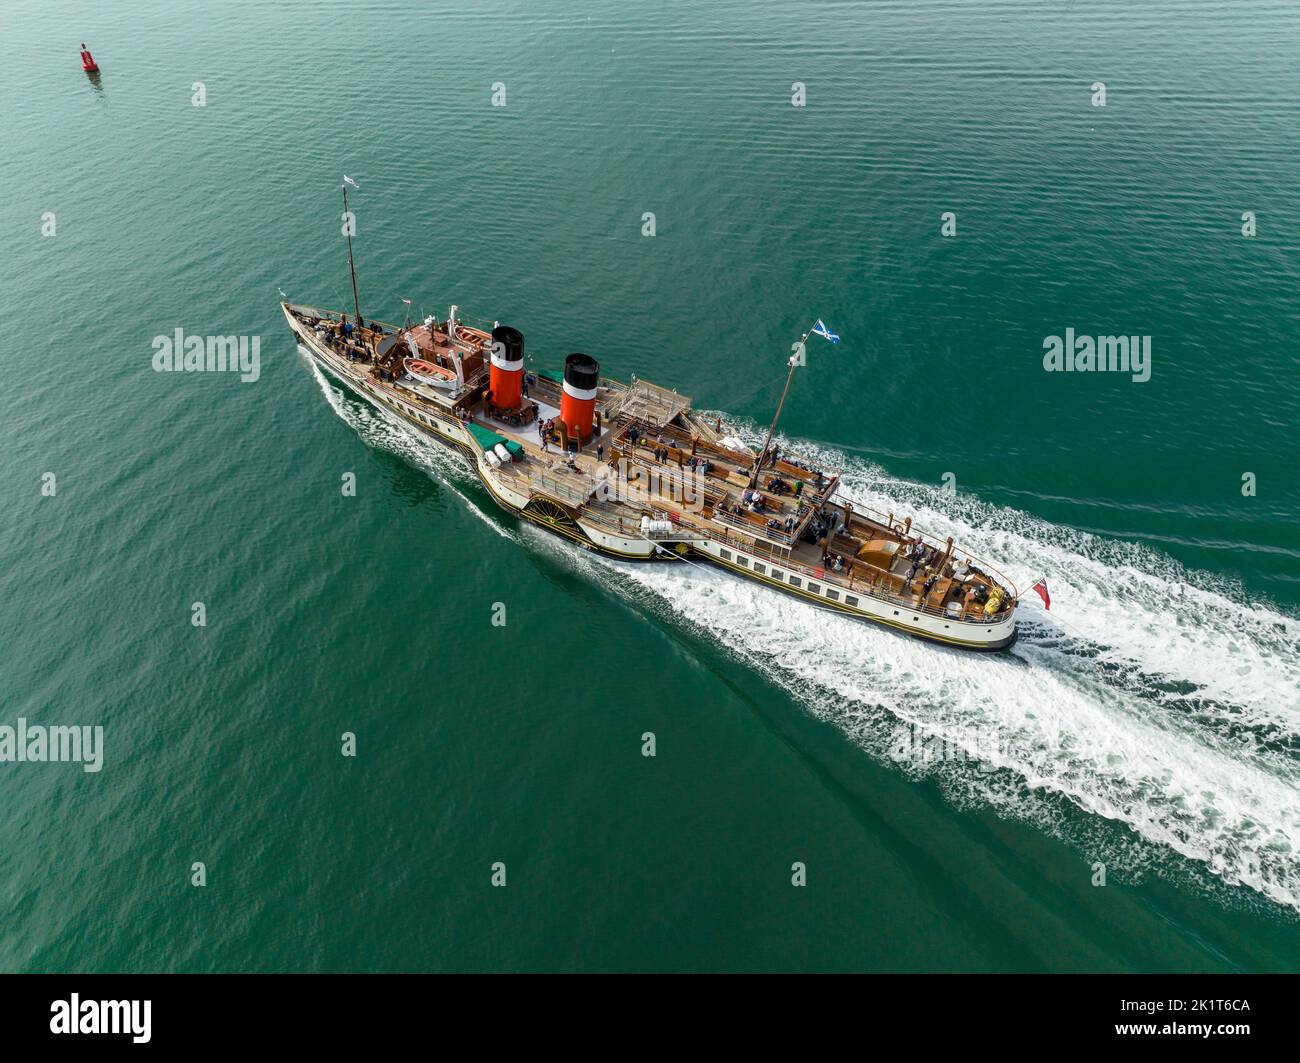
[
  {"x": 839, "y": 580},
  {"x": 843, "y": 581},
  {"x": 931, "y": 540},
  {"x": 739, "y": 521}
]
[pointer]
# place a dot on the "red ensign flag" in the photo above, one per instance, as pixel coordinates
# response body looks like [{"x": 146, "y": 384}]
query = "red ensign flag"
[{"x": 1041, "y": 588}]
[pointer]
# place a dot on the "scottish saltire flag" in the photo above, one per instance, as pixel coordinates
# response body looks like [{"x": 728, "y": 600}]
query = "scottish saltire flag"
[{"x": 821, "y": 330}]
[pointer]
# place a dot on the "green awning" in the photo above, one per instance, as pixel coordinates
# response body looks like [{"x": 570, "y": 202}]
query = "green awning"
[{"x": 487, "y": 439}]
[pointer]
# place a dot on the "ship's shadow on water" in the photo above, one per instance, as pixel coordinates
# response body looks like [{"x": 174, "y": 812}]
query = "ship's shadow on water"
[{"x": 1157, "y": 728}]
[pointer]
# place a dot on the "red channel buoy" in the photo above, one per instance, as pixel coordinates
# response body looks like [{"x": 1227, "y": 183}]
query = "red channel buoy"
[{"x": 88, "y": 63}]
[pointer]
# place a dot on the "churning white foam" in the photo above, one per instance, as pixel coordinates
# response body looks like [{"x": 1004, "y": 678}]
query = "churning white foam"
[{"x": 1157, "y": 698}]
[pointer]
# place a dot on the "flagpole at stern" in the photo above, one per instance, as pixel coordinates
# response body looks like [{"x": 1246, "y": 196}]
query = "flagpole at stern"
[{"x": 794, "y": 363}]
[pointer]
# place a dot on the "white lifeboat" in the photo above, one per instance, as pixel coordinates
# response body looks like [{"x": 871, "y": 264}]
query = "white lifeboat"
[{"x": 429, "y": 373}]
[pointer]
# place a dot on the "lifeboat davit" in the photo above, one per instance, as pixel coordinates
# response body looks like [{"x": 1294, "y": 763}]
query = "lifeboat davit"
[{"x": 428, "y": 373}]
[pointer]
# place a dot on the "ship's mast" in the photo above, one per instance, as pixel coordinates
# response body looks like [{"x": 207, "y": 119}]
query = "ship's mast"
[
  {"x": 347, "y": 229},
  {"x": 796, "y": 360}
]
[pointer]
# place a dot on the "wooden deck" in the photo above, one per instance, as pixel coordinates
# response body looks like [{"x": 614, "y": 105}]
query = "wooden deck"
[{"x": 668, "y": 437}]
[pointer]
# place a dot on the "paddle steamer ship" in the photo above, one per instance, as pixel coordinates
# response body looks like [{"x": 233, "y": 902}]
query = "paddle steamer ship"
[{"x": 632, "y": 471}]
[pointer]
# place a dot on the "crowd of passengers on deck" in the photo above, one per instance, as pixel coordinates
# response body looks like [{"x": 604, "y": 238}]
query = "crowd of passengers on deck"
[{"x": 342, "y": 336}]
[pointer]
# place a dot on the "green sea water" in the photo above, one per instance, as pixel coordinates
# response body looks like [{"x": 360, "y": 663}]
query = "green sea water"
[{"x": 1150, "y": 723}]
